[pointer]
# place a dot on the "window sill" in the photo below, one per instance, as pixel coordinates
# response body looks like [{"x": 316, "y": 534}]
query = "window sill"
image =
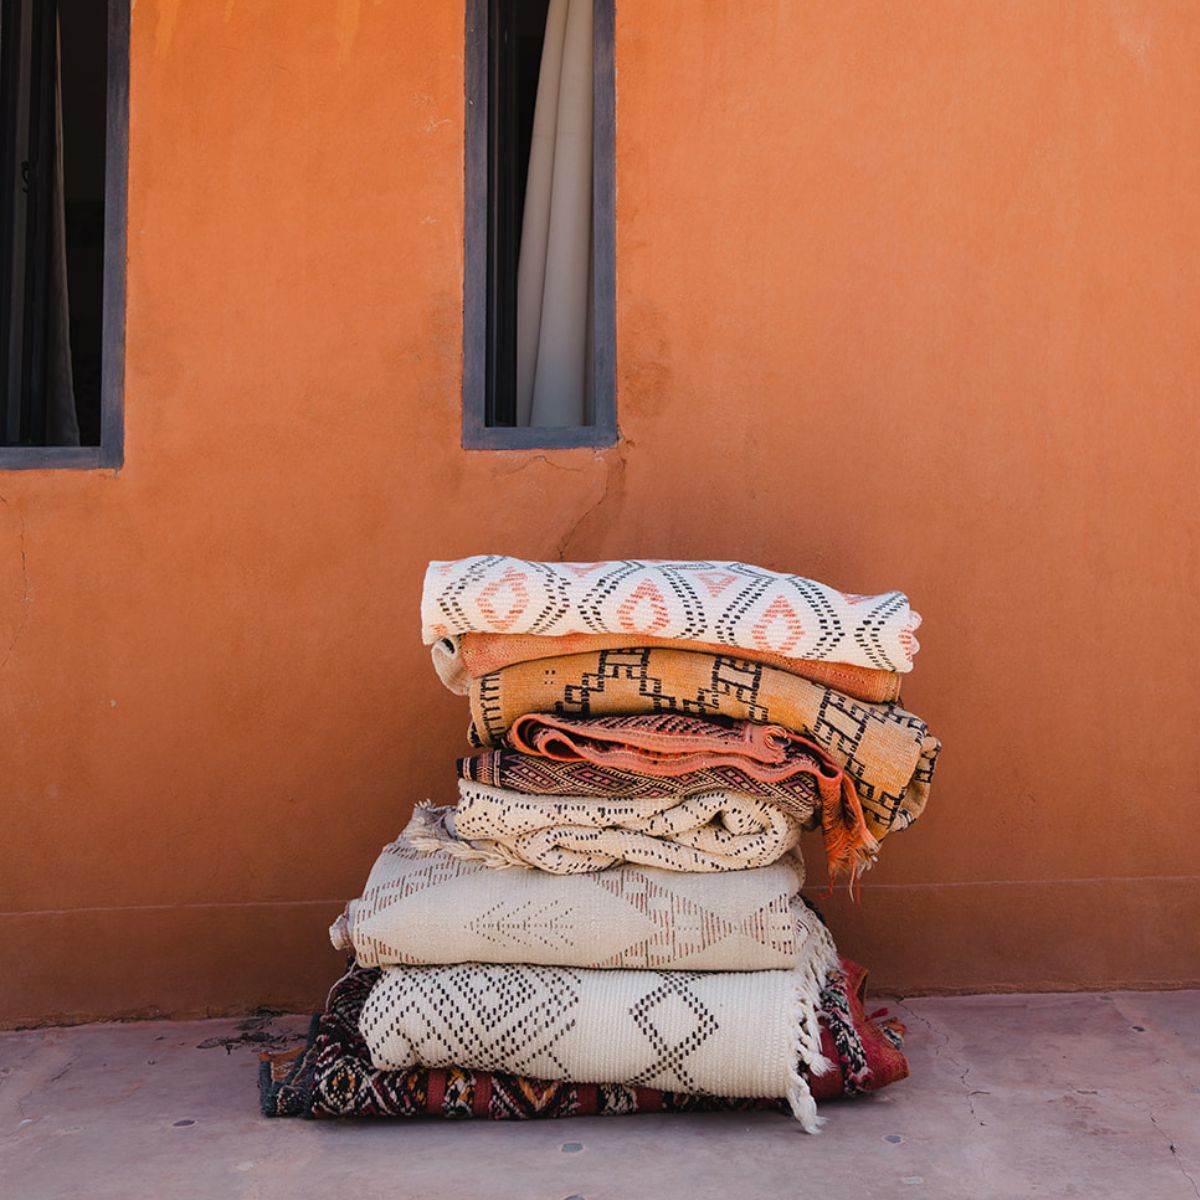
[
  {"x": 59, "y": 458},
  {"x": 527, "y": 437}
]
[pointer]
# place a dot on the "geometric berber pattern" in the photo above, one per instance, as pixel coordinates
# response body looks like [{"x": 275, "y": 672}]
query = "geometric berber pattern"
[
  {"x": 887, "y": 751},
  {"x": 723, "y": 1033},
  {"x": 727, "y": 603},
  {"x": 331, "y": 1076},
  {"x": 626, "y": 917}
]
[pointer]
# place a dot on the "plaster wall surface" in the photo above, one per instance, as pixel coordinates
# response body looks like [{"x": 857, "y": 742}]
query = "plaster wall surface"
[{"x": 906, "y": 298}]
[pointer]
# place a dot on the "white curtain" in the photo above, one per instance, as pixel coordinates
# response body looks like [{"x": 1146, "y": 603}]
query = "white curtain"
[{"x": 554, "y": 271}]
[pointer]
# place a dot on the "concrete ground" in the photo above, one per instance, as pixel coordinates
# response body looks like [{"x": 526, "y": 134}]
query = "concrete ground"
[{"x": 1010, "y": 1096}]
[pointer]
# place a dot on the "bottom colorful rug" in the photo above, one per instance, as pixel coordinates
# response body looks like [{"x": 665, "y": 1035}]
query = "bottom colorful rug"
[{"x": 332, "y": 1076}]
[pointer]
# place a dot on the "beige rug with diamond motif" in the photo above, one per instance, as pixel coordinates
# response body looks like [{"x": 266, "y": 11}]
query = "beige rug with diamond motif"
[{"x": 437, "y": 908}]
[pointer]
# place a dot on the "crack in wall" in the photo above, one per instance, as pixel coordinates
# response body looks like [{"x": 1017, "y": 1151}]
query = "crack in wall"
[
  {"x": 543, "y": 459},
  {"x": 614, "y": 477}
]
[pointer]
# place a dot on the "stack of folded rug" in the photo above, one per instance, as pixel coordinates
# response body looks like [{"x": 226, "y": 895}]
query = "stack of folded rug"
[{"x": 609, "y": 919}]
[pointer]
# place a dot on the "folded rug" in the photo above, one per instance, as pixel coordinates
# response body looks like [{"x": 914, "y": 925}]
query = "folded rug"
[
  {"x": 683, "y": 756},
  {"x": 726, "y": 603},
  {"x": 572, "y": 835},
  {"x": 439, "y": 908},
  {"x": 332, "y": 1076},
  {"x": 888, "y": 752},
  {"x": 792, "y": 782},
  {"x": 671, "y": 743},
  {"x": 716, "y": 1033},
  {"x": 460, "y": 658},
  {"x": 796, "y": 793}
]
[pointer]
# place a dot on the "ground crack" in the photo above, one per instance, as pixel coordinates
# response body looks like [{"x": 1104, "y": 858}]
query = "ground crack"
[
  {"x": 1175, "y": 1155},
  {"x": 60, "y": 1073},
  {"x": 964, "y": 1070}
]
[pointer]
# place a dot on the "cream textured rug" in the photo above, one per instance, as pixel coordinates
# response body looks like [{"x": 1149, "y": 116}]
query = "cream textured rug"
[
  {"x": 566, "y": 835},
  {"x": 719, "y": 1033},
  {"x": 723, "y": 603},
  {"x": 437, "y": 908}
]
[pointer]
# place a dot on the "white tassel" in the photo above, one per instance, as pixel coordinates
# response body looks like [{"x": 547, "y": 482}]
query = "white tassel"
[
  {"x": 430, "y": 832},
  {"x": 802, "y": 1104},
  {"x": 818, "y": 957},
  {"x": 339, "y": 933}
]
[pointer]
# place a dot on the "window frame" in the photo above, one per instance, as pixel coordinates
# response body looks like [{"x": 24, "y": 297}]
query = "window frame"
[
  {"x": 110, "y": 453},
  {"x": 476, "y": 433}
]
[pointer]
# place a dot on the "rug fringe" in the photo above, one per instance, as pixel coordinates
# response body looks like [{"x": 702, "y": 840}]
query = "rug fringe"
[
  {"x": 429, "y": 833},
  {"x": 818, "y": 957},
  {"x": 850, "y": 847},
  {"x": 339, "y": 932}
]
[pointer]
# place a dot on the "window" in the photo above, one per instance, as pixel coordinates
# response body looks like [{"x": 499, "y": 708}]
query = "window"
[
  {"x": 64, "y": 73},
  {"x": 539, "y": 305}
]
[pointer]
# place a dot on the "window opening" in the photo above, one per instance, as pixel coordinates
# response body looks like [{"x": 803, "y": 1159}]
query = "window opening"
[
  {"x": 538, "y": 362},
  {"x": 62, "y": 155}
]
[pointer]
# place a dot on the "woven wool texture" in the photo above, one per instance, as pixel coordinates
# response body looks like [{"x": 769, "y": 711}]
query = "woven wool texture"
[
  {"x": 750, "y": 757},
  {"x": 717, "y": 1033},
  {"x": 537, "y": 775},
  {"x": 436, "y": 909},
  {"x": 672, "y": 743},
  {"x": 888, "y": 752},
  {"x": 331, "y": 1076},
  {"x": 459, "y": 659},
  {"x": 725, "y": 603},
  {"x": 572, "y": 835}
]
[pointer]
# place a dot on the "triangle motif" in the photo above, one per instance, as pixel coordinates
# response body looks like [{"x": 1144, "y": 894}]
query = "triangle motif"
[{"x": 715, "y": 581}]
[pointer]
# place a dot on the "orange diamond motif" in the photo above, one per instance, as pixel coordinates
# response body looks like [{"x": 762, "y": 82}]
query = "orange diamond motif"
[
  {"x": 779, "y": 617},
  {"x": 644, "y": 594},
  {"x": 511, "y": 582}
]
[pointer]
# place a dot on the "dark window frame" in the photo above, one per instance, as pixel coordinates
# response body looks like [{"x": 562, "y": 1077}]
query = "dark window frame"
[
  {"x": 110, "y": 453},
  {"x": 477, "y": 434}
]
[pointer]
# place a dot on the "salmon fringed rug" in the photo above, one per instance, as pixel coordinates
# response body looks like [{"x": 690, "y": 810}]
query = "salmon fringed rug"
[
  {"x": 331, "y": 1075},
  {"x": 545, "y": 755},
  {"x": 887, "y": 753}
]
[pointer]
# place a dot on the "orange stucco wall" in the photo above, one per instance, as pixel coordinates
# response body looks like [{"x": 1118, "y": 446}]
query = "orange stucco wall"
[{"x": 907, "y": 297}]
